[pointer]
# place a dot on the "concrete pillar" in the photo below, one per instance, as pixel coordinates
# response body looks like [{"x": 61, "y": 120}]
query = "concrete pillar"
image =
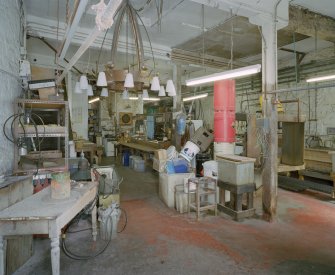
[{"x": 269, "y": 82}]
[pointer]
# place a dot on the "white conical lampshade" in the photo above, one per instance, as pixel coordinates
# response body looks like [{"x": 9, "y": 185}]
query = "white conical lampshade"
[
  {"x": 155, "y": 86},
  {"x": 161, "y": 91},
  {"x": 170, "y": 89},
  {"x": 125, "y": 94},
  {"x": 77, "y": 88},
  {"x": 104, "y": 92},
  {"x": 102, "y": 81},
  {"x": 145, "y": 94},
  {"x": 83, "y": 82},
  {"x": 129, "y": 81},
  {"x": 89, "y": 90}
]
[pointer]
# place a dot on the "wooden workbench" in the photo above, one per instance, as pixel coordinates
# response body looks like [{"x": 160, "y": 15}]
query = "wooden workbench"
[
  {"x": 39, "y": 214},
  {"x": 145, "y": 150}
]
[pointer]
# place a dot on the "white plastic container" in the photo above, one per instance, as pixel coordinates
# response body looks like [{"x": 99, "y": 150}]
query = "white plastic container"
[
  {"x": 236, "y": 169},
  {"x": 210, "y": 169},
  {"x": 167, "y": 183},
  {"x": 189, "y": 151},
  {"x": 139, "y": 165}
]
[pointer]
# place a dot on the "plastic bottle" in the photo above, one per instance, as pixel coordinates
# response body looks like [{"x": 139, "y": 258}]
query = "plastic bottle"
[{"x": 181, "y": 123}]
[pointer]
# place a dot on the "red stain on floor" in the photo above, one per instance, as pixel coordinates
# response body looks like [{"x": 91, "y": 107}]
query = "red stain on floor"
[{"x": 303, "y": 231}]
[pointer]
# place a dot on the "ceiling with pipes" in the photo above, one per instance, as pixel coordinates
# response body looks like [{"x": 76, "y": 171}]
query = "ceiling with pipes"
[{"x": 184, "y": 31}]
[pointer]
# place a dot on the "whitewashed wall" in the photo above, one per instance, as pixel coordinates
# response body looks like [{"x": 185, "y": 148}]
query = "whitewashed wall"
[{"x": 10, "y": 88}]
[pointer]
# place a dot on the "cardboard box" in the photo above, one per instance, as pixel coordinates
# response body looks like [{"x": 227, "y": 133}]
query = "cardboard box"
[
  {"x": 46, "y": 92},
  {"x": 161, "y": 154}
]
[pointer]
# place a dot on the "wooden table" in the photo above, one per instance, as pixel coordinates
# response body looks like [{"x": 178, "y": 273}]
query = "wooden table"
[
  {"x": 39, "y": 214},
  {"x": 137, "y": 147}
]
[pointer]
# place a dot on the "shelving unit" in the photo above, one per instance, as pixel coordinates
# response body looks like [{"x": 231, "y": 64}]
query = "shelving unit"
[
  {"x": 58, "y": 129},
  {"x": 204, "y": 187}
]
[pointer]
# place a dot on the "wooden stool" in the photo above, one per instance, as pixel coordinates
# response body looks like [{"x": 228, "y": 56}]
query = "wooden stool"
[
  {"x": 204, "y": 187},
  {"x": 235, "y": 207}
]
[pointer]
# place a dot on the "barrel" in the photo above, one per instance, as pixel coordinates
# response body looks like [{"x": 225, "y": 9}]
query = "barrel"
[
  {"x": 125, "y": 158},
  {"x": 224, "y": 95},
  {"x": 60, "y": 185},
  {"x": 223, "y": 126}
]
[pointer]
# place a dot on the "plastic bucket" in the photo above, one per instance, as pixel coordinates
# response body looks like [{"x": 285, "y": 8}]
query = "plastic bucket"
[
  {"x": 60, "y": 185},
  {"x": 189, "y": 151},
  {"x": 224, "y": 148},
  {"x": 125, "y": 158},
  {"x": 211, "y": 169}
]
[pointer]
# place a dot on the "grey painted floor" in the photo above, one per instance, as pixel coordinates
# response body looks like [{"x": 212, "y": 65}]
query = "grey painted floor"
[{"x": 159, "y": 240}]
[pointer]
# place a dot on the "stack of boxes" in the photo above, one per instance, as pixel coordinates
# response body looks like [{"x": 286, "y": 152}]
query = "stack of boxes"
[{"x": 159, "y": 161}]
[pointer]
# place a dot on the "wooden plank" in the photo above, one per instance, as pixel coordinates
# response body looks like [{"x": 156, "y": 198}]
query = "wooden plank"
[
  {"x": 318, "y": 155},
  {"x": 235, "y": 158},
  {"x": 289, "y": 168},
  {"x": 319, "y": 166}
]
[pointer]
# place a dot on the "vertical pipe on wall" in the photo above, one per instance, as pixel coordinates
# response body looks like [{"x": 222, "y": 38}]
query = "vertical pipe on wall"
[{"x": 224, "y": 111}]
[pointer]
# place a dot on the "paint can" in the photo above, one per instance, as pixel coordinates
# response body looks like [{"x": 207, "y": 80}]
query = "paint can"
[{"x": 60, "y": 185}]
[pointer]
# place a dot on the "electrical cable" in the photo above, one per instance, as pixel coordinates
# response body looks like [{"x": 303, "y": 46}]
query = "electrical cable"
[{"x": 74, "y": 256}]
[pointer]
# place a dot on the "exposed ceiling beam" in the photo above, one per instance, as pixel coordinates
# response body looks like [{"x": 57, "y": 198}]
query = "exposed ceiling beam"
[
  {"x": 311, "y": 24},
  {"x": 78, "y": 12}
]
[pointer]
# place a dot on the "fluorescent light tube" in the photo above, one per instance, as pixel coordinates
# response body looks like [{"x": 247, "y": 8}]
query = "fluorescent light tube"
[
  {"x": 195, "y": 97},
  {"x": 321, "y": 78},
  {"x": 244, "y": 71},
  {"x": 94, "y": 100},
  {"x": 133, "y": 98},
  {"x": 152, "y": 99}
]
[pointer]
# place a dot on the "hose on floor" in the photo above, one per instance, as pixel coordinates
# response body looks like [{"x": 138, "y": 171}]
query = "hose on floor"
[{"x": 74, "y": 256}]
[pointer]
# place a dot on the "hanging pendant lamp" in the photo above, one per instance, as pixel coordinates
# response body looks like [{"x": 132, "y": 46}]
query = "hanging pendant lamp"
[
  {"x": 104, "y": 92},
  {"x": 102, "y": 81},
  {"x": 155, "y": 86},
  {"x": 90, "y": 90},
  {"x": 170, "y": 89},
  {"x": 129, "y": 81},
  {"x": 83, "y": 82},
  {"x": 161, "y": 91},
  {"x": 125, "y": 94}
]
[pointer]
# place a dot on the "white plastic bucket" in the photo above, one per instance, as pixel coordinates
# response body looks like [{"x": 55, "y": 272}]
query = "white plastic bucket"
[
  {"x": 224, "y": 148},
  {"x": 210, "y": 169},
  {"x": 189, "y": 151}
]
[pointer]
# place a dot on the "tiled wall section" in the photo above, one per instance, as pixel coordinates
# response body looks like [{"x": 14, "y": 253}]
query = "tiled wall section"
[{"x": 9, "y": 71}]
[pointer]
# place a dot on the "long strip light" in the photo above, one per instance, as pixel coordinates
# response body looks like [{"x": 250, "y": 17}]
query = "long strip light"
[
  {"x": 321, "y": 78},
  {"x": 145, "y": 99},
  {"x": 195, "y": 97},
  {"x": 94, "y": 100},
  {"x": 244, "y": 71}
]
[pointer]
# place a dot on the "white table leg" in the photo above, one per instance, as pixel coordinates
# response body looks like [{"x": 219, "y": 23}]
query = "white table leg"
[
  {"x": 2, "y": 260},
  {"x": 94, "y": 223},
  {"x": 55, "y": 255}
]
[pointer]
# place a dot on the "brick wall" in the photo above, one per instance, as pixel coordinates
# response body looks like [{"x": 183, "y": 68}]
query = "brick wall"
[{"x": 9, "y": 70}]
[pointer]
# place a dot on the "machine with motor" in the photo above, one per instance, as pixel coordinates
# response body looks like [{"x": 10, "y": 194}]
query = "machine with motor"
[{"x": 109, "y": 199}]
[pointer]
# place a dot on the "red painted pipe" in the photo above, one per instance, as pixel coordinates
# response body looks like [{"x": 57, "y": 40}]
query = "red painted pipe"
[{"x": 224, "y": 110}]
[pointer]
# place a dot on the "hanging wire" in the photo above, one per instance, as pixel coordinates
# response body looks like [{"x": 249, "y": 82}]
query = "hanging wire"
[{"x": 147, "y": 34}]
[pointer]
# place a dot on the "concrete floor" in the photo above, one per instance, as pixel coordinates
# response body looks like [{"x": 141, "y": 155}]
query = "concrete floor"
[{"x": 158, "y": 240}]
